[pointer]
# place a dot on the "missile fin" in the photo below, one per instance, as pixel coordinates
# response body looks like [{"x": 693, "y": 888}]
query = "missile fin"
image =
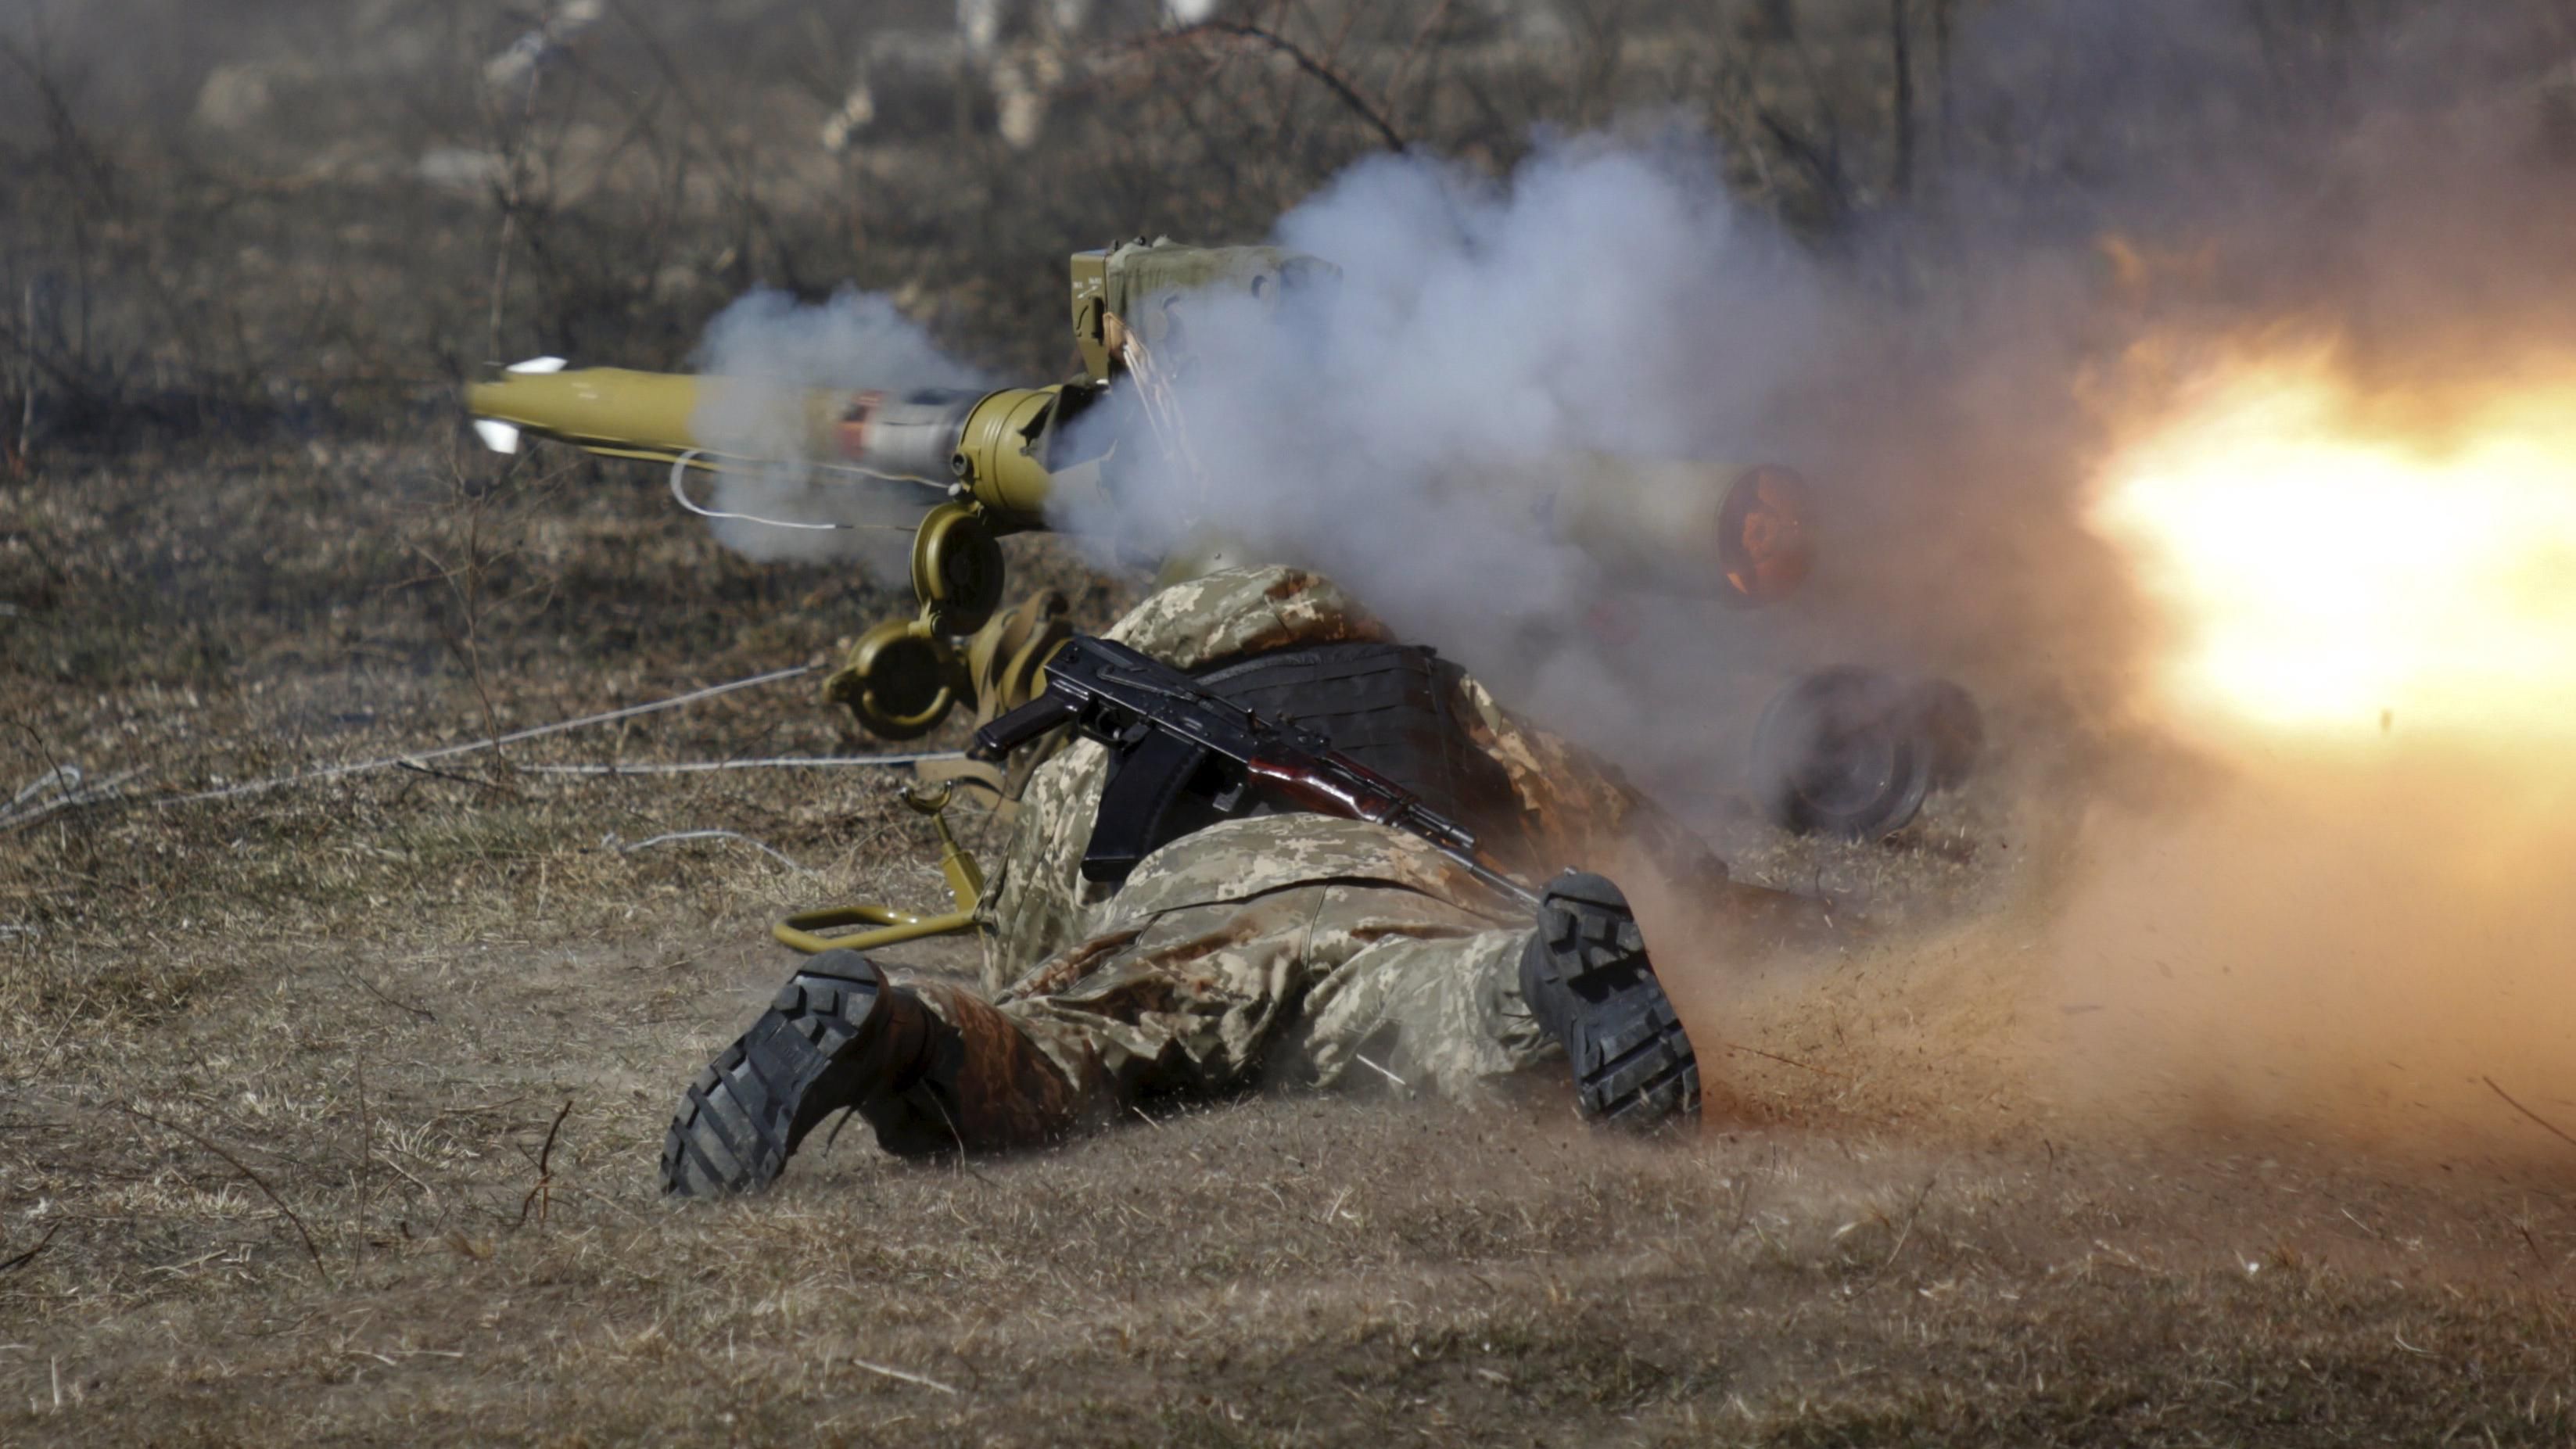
[{"x": 498, "y": 436}]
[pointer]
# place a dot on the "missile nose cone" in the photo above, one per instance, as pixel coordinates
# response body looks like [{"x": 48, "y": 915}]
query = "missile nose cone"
[{"x": 608, "y": 410}]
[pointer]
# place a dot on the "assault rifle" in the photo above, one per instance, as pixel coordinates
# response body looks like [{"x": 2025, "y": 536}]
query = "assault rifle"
[{"x": 1172, "y": 741}]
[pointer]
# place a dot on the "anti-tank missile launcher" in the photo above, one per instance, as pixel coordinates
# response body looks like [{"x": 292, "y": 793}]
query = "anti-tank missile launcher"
[{"x": 994, "y": 463}]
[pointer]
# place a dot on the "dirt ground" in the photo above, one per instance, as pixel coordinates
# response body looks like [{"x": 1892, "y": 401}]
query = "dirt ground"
[{"x": 330, "y": 1112}]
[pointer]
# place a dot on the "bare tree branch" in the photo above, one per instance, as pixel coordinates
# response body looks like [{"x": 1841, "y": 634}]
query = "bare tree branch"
[{"x": 1331, "y": 78}]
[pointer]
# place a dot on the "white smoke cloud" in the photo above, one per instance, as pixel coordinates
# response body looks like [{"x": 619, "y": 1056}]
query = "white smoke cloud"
[
  {"x": 1397, "y": 432},
  {"x": 763, "y": 354}
]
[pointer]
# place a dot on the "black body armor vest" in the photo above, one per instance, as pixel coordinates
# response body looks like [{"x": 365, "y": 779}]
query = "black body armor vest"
[{"x": 1384, "y": 705}]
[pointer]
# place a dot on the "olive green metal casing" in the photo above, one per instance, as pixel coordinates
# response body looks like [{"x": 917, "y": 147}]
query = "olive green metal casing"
[{"x": 1135, "y": 282}]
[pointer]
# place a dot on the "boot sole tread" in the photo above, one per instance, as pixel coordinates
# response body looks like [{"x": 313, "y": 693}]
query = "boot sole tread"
[
  {"x": 1633, "y": 1063},
  {"x": 736, "y": 1123}
]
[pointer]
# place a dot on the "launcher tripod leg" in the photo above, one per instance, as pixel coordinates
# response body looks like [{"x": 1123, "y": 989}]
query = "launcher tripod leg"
[{"x": 802, "y": 932}]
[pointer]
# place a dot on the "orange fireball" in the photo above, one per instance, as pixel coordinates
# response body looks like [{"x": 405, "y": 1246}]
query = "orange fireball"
[{"x": 2328, "y": 563}]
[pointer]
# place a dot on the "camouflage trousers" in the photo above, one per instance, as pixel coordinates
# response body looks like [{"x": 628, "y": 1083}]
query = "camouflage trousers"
[{"x": 1296, "y": 947}]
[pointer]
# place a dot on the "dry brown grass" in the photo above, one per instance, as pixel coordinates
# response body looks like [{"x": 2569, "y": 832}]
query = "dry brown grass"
[{"x": 1276, "y": 1270}]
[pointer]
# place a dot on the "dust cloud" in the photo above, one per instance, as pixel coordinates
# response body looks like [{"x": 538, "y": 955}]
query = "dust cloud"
[{"x": 2372, "y": 949}]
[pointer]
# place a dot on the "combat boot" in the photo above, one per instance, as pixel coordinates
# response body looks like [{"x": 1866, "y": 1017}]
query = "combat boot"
[
  {"x": 1586, "y": 978},
  {"x": 932, "y": 1076}
]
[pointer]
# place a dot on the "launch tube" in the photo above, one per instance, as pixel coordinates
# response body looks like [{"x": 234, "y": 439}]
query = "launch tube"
[
  {"x": 990, "y": 445},
  {"x": 1710, "y": 530},
  {"x": 1704, "y": 530}
]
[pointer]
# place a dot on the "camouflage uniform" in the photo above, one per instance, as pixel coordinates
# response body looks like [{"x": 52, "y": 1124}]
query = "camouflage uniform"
[
  {"x": 1287, "y": 944},
  {"x": 1339, "y": 950}
]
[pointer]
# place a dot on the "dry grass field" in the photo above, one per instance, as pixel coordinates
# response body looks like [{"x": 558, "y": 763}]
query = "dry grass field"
[{"x": 329, "y": 1113}]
